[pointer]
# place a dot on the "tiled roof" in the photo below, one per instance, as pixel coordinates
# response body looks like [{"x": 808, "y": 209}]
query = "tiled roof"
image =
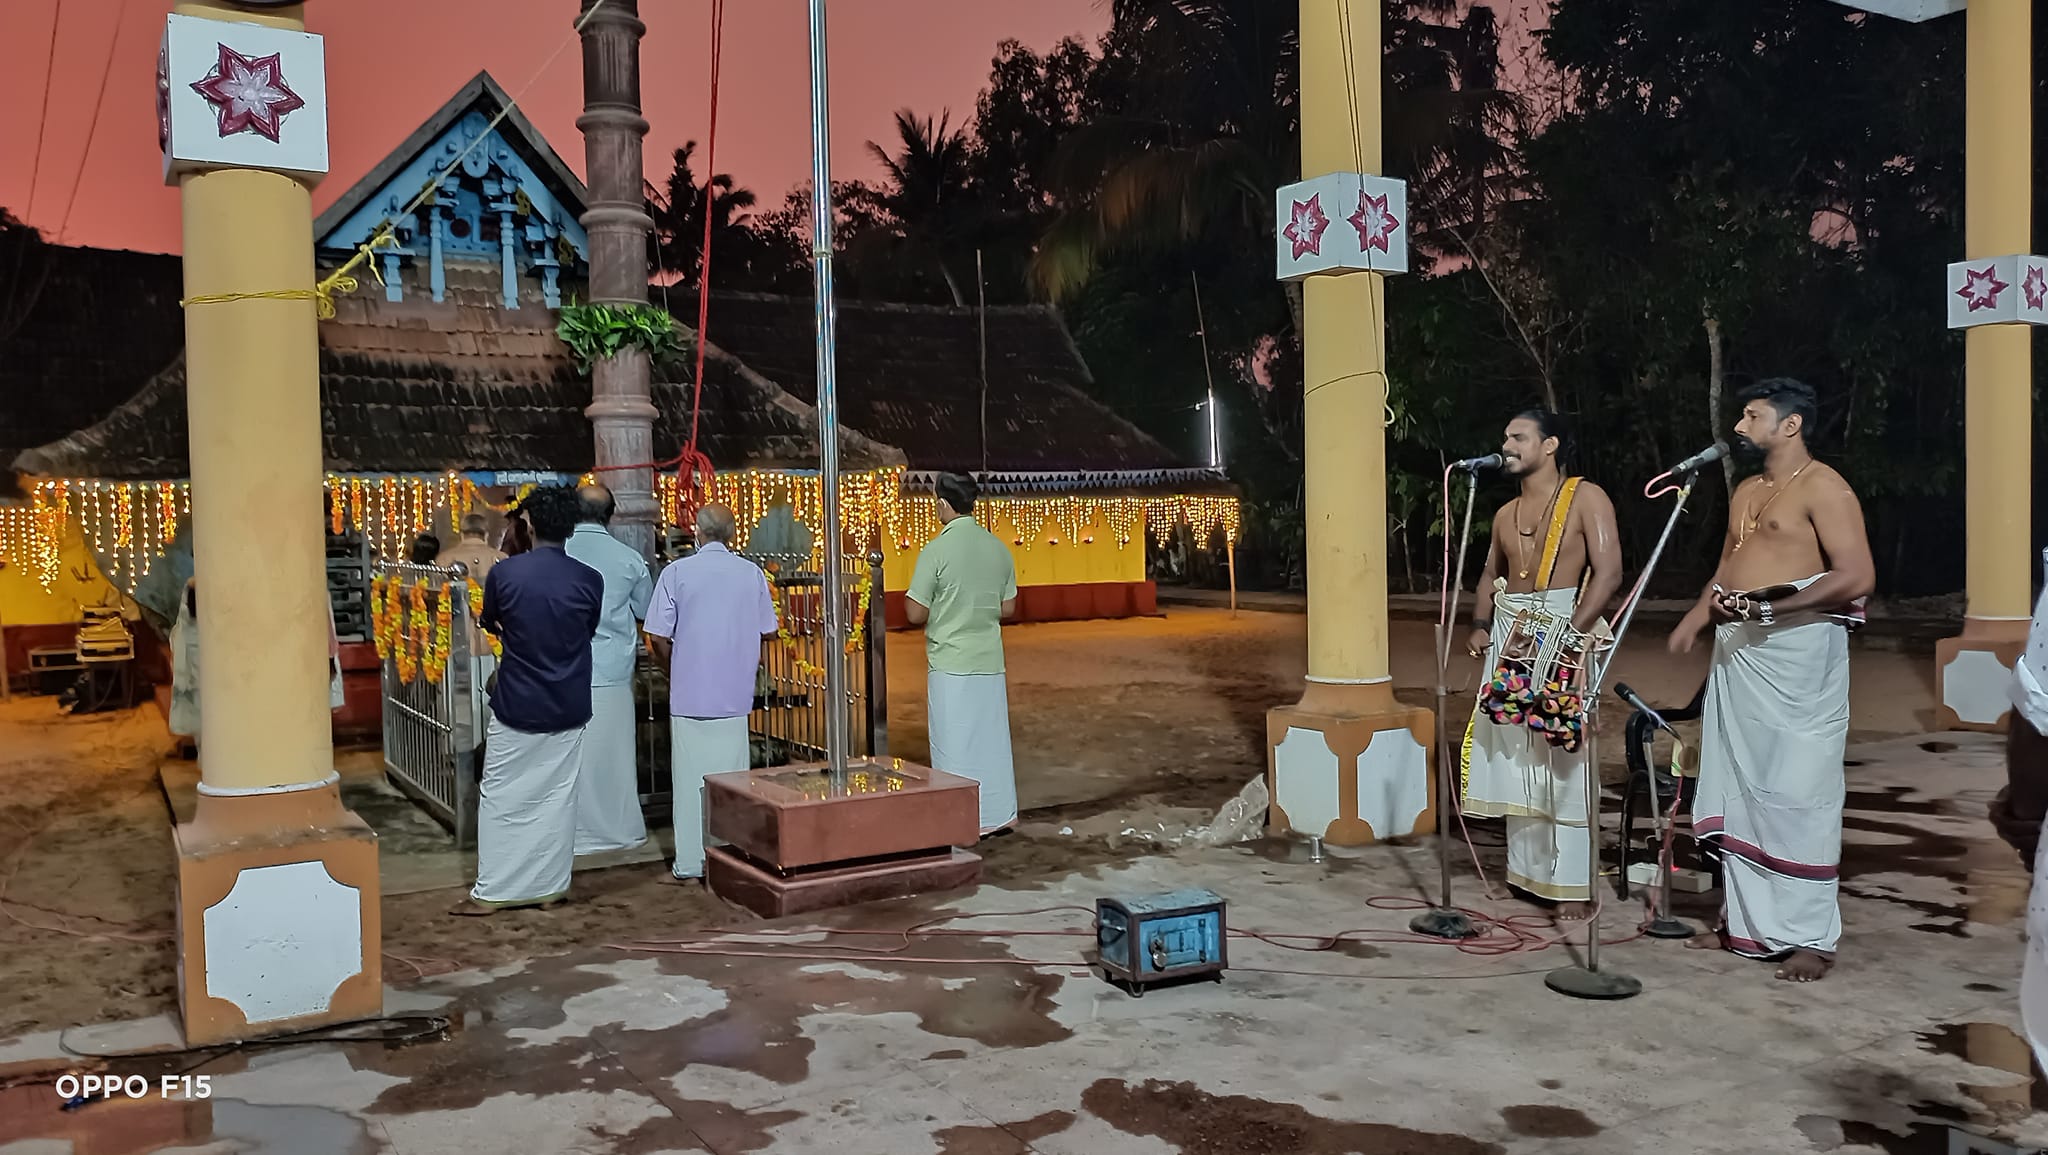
[
  {"x": 910, "y": 375},
  {"x": 103, "y": 321},
  {"x": 424, "y": 387}
]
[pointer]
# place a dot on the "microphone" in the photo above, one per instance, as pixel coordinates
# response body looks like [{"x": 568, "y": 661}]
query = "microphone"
[
  {"x": 1701, "y": 460},
  {"x": 1475, "y": 464},
  {"x": 1622, "y": 691}
]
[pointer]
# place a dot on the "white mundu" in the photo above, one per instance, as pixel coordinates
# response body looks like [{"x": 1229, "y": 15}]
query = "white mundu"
[
  {"x": 1771, "y": 780},
  {"x": 1536, "y": 787}
]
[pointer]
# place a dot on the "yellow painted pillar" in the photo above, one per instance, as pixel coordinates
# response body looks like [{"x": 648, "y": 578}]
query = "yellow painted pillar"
[
  {"x": 1347, "y": 763},
  {"x": 1997, "y": 374},
  {"x": 278, "y": 893}
]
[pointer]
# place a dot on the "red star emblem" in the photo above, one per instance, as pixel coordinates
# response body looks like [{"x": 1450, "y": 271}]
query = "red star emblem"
[
  {"x": 2035, "y": 287},
  {"x": 249, "y": 94},
  {"x": 1375, "y": 222},
  {"x": 1981, "y": 288},
  {"x": 1305, "y": 228}
]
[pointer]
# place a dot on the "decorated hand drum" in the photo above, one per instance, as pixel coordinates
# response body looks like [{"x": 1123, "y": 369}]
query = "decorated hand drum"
[{"x": 1537, "y": 679}]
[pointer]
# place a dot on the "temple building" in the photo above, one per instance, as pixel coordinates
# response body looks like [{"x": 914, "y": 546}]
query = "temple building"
[{"x": 444, "y": 388}]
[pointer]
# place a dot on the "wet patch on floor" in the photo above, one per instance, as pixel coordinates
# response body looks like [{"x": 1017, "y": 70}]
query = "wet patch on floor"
[
  {"x": 31, "y": 1112},
  {"x": 1201, "y": 1123},
  {"x": 1903, "y": 847},
  {"x": 483, "y": 1057},
  {"x": 1003, "y": 1139},
  {"x": 1999, "y": 1048},
  {"x": 1538, "y": 1121},
  {"x": 727, "y": 1129}
]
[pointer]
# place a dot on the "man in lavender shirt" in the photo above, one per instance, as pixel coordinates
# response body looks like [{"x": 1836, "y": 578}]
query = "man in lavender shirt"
[{"x": 709, "y": 614}]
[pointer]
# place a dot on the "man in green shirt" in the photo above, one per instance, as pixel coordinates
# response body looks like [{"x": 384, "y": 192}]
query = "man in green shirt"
[{"x": 964, "y": 586}]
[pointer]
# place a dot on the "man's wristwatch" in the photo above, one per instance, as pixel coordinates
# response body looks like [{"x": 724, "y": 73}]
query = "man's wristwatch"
[{"x": 1485, "y": 627}]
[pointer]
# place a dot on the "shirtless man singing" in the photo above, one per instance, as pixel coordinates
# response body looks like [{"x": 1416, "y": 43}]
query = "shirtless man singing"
[
  {"x": 1554, "y": 553},
  {"x": 1794, "y": 565}
]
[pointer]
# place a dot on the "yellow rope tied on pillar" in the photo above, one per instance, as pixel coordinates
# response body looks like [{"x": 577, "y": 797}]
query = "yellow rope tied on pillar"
[{"x": 343, "y": 279}]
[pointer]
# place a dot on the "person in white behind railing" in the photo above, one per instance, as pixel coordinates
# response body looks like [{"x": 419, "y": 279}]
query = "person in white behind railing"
[{"x": 608, "y": 787}]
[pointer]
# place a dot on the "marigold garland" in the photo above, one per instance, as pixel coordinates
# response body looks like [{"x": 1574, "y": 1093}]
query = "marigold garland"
[
  {"x": 444, "y": 629},
  {"x": 856, "y": 638},
  {"x": 476, "y": 613},
  {"x": 377, "y": 634},
  {"x": 416, "y": 637}
]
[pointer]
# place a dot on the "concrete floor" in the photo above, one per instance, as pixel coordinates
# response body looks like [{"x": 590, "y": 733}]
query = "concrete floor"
[{"x": 1386, "y": 1048}]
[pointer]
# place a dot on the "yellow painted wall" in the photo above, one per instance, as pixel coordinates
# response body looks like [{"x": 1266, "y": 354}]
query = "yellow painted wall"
[
  {"x": 78, "y": 583},
  {"x": 1051, "y": 560}
]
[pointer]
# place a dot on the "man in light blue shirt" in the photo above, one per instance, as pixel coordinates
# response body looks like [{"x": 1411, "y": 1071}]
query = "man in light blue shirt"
[
  {"x": 608, "y": 787},
  {"x": 711, "y": 612}
]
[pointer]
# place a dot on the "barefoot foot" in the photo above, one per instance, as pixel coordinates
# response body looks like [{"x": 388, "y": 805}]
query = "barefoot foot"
[
  {"x": 1574, "y": 911},
  {"x": 1805, "y": 966},
  {"x": 1712, "y": 938},
  {"x": 471, "y": 908}
]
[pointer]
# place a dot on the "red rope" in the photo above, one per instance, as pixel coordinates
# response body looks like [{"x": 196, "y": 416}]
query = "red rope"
[
  {"x": 694, "y": 471},
  {"x": 693, "y": 468}
]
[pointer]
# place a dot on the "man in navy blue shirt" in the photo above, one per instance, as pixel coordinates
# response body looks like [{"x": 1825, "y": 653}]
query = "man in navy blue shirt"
[{"x": 544, "y": 607}]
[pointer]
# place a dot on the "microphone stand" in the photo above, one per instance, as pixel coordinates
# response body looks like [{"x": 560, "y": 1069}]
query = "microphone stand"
[
  {"x": 1446, "y": 920},
  {"x": 1661, "y": 924},
  {"x": 1589, "y": 981}
]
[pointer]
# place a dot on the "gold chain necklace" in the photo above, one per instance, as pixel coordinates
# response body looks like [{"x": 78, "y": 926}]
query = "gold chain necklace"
[
  {"x": 1751, "y": 520},
  {"x": 1525, "y": 541}
]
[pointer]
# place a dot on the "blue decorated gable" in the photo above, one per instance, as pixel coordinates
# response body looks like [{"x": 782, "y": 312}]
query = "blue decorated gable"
[{"x": 510, "y": 206}]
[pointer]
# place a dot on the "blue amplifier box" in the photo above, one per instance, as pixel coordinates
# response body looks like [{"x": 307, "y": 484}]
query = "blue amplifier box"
[{"x": 1141, "y": 941}]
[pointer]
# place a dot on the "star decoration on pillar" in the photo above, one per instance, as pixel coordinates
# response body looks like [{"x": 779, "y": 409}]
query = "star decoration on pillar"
[
  {"x": 2035, "y": 287},
  {"x": 1375, "y": 222},
  {"x": 250, "y": 95},
  {"x": 1981, "y": 288},
  {"x": 1305, "y": 229}
]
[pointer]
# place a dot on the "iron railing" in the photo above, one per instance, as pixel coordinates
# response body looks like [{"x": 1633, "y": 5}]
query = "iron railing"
[{"x": 433, "y": 731}]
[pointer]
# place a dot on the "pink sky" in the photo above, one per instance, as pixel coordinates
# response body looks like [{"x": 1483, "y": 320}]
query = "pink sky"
[{"x": 390, "y": 63}]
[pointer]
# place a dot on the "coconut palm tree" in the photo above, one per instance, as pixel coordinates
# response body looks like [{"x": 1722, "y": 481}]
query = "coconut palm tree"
[
  {"x": 1210, "y": 126},
  {"x": 748, "y": 250},
  {"x": 927, "y": 193}
]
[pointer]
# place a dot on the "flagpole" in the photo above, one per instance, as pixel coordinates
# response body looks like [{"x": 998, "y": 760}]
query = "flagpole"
[{"x": 833, "y": 594}]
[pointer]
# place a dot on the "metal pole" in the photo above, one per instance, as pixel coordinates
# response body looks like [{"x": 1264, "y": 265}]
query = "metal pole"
[
  {"x": 1230, "y": 557},
  {"x": 828, "y": 399},
  {"x": 1447, "y": 921},
  {"x": 981, "y": 332},
  {"x": 1589, "y": 981},
  {"x": 1208, "y": 375}
]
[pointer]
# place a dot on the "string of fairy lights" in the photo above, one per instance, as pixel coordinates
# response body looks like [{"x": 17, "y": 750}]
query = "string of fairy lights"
[
  {"x": 876, "y": 504},
  {"x": 132, "y": 524}
]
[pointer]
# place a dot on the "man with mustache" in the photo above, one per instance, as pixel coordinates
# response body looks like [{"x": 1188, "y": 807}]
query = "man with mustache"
[
  {"x": 1555, "y": 557},
  {"x": 1795, "y": 566}
]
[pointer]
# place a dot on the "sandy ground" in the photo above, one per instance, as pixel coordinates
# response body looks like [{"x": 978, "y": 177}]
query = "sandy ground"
[{"x": 1120, "y": 726}]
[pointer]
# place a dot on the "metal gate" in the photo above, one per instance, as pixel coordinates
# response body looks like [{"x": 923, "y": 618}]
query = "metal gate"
[
  {"x": 433, "y": 730},
  {"x": 788, "y": 720}
]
